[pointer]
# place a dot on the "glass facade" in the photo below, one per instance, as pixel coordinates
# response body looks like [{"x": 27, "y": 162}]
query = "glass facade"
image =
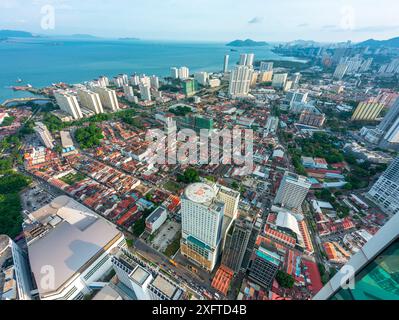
[{"x": 378, "y": 280}]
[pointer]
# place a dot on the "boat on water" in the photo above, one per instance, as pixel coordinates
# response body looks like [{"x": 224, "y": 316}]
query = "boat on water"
[{"x": 19, "y": 80}]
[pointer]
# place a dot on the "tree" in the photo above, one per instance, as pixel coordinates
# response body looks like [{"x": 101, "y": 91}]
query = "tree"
[
  {"x": 89, "y": 137},
  {"x": 285, "y": 280},
  {"x": 190, "y": 176}
]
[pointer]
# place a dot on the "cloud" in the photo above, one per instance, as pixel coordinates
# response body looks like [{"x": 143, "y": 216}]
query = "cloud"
[
  {"x": 377, "y": 28},
  {"x": 255, "y": 20},
  {"x": 303, "y": 25}
]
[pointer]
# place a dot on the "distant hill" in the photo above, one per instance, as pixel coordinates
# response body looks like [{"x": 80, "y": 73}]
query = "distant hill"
[
  {"x": 391, "y": 43},
  {"x": 247, "y": 43},
  {"x": 15, "y": 34}
]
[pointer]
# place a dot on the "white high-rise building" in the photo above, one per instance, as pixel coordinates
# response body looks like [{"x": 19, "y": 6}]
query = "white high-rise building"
[
  {"x": 134, "y": 80},
  {"x": 44, "y": 135},
  {"x": 154, "y": 80},
  {"x": 340, "y": 71},
  {"x": 240, "y": 81},
  {"x": 296, "y": 96},
  {"x": 68, "y": 103},
  {"x": 108, "y": 98},
  {"x": 103, "y": 81},
  {"x": 279, "y": 80},
  {"x": 385, "y": 191},
  {"x": 145, "y": 92},
  {"x": 243, "y": 59},
  {"x": 292, "y": 191},
  {"x": 90, "y": 100},
  {"x": 174, "y": 73},
  {"x": 201, "y": 78},
  {"x": 128, "y": 91},
  {"x": 266, "y": 66},
  {"x": 118, "y": 82},
  {"x": 202, "y": 221},
  {"x": 226, "y": 63},
  {"x": 184, "y": 73},
  {"x": 250, "y": 60}
]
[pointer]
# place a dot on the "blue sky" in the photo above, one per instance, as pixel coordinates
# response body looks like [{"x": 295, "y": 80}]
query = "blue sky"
[{"x": 213, "y": 20}]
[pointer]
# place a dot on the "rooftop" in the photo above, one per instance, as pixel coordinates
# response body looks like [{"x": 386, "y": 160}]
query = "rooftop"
[
  {"x": 73, "y": 236},
  {"x": 200, "y": 193}
]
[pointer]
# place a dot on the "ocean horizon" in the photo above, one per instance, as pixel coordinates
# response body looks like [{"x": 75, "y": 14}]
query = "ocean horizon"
[{"x": 43, "y": 61}]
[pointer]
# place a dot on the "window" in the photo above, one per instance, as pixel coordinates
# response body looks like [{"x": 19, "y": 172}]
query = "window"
[{"x": 379, "y": 280}]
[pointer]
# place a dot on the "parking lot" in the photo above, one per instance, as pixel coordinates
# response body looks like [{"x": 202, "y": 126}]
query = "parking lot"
[
  {"x": 165, "y": 235},
  {"x": 35, "y": 198}
]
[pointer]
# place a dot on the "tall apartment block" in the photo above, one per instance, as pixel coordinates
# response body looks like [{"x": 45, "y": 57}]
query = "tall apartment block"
[
  {"x": 386, "y": 190},
  {"x": 68, "y": 103},
  {"x": 90, "y": 100},
  {"x": 108, "y": 98}
]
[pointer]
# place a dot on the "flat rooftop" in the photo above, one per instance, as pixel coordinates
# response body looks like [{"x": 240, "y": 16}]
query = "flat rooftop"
[
  {"x": 74, "y": 235},
  {"x": 200, "y": 193},
  {"x": 164, "y": 286}
]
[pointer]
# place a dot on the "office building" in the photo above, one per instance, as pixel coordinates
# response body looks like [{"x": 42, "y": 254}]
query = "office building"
[
  {"x": 201, "y": 78},
  {"x": 68, "y": 103},
  {"x": 68, "y": 247},
  {"x": 202, "y": 225},
  {"x": 174, "y": 73},
  {"x": 279, "y": 80},
  {"x": 226, "y": 63},
  {"x": 240, "y": 81},
  {"x": 256, "y": 230},
  {"x": 312, "y": 118},
  {"x": 375, "y": 270},
  {"x": 340, "y": 71},
  {"x": 385, "y": 191},
  {"x": 90, "y": 100},
  {"x": 44, "y": 135},
  {"x": 184, "y": 73},
  {"x": 141, "y": 282},
  {"x": 292, "y": 191},
  {"x": 266, "y": 66},
  {"x": 367, "y": 111},
  {"x": 265, "y": 265},
  {"x": 108, "y": 98},
  {"x": 15, "y": 275},
  {"x": 236, "y": 244}
]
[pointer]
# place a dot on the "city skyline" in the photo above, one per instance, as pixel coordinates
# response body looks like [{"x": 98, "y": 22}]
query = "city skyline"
[{"x": 204, "y": 21}]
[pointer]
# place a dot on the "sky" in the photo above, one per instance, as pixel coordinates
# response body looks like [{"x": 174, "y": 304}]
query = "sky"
[{"x": 207, "y": 20}]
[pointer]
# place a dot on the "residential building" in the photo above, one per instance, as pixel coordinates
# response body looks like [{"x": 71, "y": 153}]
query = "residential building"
[
  {"x": 266, "y": 66},
  {"x": 240, "y": 81},
  {"x": 340, "y": 71},
  {"x": 154, "y": 80},
  {"x": 292, "y": 191},
  {"x": 44, "y": 135},
  {"x": 311, "y": 118},
  {"x": 184, "y": 73},
  {"x": 226, "y": 63},
  {"x": 174, "y": 73},
  {"x": 90, "y": 100},
  {"x": 190, "y": 87},
  {"x": 279, "y": 80},
  {"x": 385, "y": 191},
  {"x": 68, "y": 103},
  {"x": 145, "y": 92},
  {"x": 266, "y": 76},
  {"x": 108, "y": 98},
  {"x": 367, "y": 111},
  {"x": 201, "y": 78}
]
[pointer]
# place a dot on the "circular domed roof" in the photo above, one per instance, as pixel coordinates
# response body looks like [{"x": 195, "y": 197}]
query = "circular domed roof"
[{"x": 199, "y": 193}]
